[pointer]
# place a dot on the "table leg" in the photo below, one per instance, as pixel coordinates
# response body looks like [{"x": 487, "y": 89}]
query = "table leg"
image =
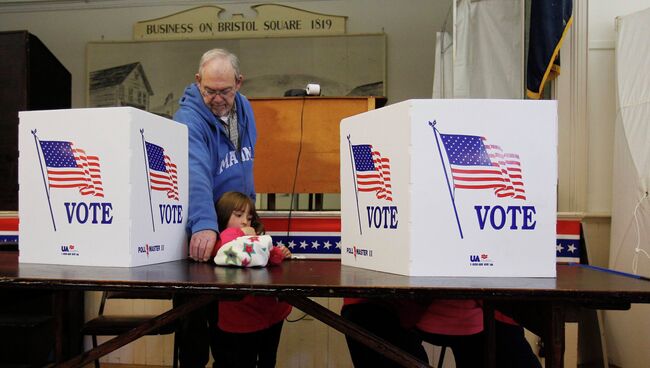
[
  {"x": 127, "y": 337},
  {"x": 59, "y": 333},
  {"x": 350, "y": 329},
  {"x": 489, "y": 326},
  {"x": 555, "y": 337}
]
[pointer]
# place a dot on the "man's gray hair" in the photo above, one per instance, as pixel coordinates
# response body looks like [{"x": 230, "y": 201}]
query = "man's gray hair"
[{"x": 220, "y": 54}]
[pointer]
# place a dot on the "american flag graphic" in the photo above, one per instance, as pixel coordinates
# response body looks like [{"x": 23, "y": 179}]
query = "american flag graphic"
[
  {"x": 70, "y": 167},
  {"x": 162, "y": 171},
  {"x": 373, "y": 171},
  {"x": 475, "y": 164}
]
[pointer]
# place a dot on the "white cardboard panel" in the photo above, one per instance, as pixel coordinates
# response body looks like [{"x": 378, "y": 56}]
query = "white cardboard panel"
[
  {"x": 418, "y": 232},
  {"x": 114, "y": 226}
]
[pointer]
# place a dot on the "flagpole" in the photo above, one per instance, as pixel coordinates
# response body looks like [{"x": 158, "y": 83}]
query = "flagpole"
[
  {"x": 444, "y": 168},
  {"x": 354, "y": 181},
  {"x": 47, "y": 192},
  {"x": 146, "y": 168}
]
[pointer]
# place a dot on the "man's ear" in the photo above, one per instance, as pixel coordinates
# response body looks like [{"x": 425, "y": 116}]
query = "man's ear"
[
  {"x": 239, "y": 81},
  {"x": 197, "y": 77}
]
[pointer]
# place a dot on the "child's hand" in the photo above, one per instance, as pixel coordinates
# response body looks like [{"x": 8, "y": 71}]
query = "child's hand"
[
  {"x": 248, "y": 230},
  {"x": 285, "y": 251}
]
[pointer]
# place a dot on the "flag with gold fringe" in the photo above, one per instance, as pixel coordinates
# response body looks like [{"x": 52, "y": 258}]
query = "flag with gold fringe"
[{"x": 550, "y": 21}]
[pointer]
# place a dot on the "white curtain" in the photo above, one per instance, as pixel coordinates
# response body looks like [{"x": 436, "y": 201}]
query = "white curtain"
[
  {"x": 633, "y": 78},
  {"x": 443, "y": 83},
  {"x": 488, "y": 60},
  {"x": 630, "y": 230}
]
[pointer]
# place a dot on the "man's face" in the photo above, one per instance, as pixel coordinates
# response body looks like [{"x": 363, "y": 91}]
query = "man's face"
[{"x": 218, "y": 86}]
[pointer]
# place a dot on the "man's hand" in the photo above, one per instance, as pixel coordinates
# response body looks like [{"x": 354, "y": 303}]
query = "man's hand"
[{"x": 201, "y": 245}]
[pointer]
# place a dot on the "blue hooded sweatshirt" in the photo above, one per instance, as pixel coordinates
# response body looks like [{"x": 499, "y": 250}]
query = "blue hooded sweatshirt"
[{"x": 215, "y": 165}]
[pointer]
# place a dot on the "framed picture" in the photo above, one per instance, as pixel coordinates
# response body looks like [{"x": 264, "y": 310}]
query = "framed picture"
[{"x": 152, "y": 75}]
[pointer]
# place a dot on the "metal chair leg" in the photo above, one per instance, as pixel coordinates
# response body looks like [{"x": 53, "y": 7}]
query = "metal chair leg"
[
  {"x": 94, "y": 338},
  {"x": 441, "y": 358},
  {"x": 175, "y": 362}
]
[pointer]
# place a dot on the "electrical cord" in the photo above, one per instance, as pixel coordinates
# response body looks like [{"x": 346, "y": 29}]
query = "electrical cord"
[
  {"x": 295, "y": 175},
  {"x": 293, "y": 189},
  {"x": 297, "y": 319},
  {"x": 638, "y": 249}
]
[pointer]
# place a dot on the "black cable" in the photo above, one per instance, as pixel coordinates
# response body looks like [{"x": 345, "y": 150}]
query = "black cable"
[
  {"x": 293, "y": 188},
  {"x": 297, "y": 319},
  {"x": 295, "y": 176}
]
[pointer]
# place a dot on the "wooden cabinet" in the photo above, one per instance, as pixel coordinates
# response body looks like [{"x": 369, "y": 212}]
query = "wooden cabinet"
[
  {"x": 36, "y": 327},
  {"x": 302, "y": 132},
  {"x": 31, "y": 78}
]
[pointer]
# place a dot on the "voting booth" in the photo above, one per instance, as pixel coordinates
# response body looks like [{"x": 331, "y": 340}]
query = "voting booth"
[
  {"x": 102, "y": 187},
  {"x": 451, "y": 188}
]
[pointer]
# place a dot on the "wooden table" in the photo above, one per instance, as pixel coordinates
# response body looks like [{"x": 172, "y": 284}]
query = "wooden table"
[{"x": 296, "y": 280}]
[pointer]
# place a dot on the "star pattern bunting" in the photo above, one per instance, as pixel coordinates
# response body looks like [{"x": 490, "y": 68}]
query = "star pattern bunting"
[
  {"x": 325, "y": 239},
  {"x": 567, "y": 245},
  {"x": 317, "y": 246},
  {"x": 310, "y": 236},
  {"x": 9, "y": 229}
]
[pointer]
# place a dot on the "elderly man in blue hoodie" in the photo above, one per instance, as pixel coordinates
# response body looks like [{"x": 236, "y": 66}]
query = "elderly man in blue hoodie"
[{"x": 222, "y": 138}]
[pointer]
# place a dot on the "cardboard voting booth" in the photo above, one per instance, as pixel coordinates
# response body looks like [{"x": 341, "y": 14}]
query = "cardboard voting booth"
[
  {"x": 102, "y": 187},
  {"x": 451, "y": 188}
]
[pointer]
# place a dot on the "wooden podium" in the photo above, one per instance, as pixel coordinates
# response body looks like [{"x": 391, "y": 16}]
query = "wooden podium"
[{"x": 298, "y": 137}]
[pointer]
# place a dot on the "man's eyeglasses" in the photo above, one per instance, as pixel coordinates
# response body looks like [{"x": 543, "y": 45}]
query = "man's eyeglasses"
[{"x": 212, "y": 93}]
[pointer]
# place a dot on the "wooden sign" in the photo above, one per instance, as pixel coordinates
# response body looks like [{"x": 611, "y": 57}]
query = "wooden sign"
[{"x": 272, "y": 20}]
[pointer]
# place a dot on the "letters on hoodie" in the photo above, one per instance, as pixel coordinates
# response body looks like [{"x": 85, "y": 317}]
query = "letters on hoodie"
[{"x": 231, "y": 158}]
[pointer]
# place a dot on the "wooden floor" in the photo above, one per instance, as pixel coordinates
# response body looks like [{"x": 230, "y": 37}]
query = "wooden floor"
[
  {"x": 112, "y": 365},
  {"x": 108, "y": 365}
]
